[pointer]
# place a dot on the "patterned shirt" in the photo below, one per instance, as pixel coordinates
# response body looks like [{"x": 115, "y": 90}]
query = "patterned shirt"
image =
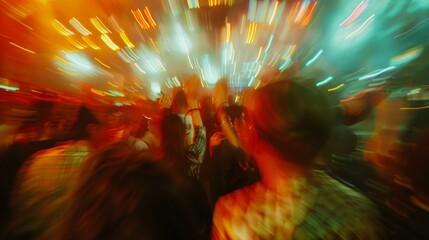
[
  {"x": 41, "y": 182},
  {"x": 195, "y": 152},
  {"x": 316, "y": 207}
]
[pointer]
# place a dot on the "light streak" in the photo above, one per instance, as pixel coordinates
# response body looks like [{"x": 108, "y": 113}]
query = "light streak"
[
  {"x": 301, "y": 11},
  {"x": 285, "y": 65},
  {"x": 355, "y": 14},
  {"x": 347, "y": 99},
  {"x": 292, "y": 15},
  {"x": 262, "y": 8},
  {"x": 66, "y": 72},
  {"x": 99, "y": 25},
  {"x": 269, "y": 43},
  {"x": 79, "y": 27},
  {"x": 259, "y": 54},
  {"x": 7, "y": 88},
  {"x": 243, "y": 22},
  {"x": 414, "y": 108},
  {"x": 362, "y": 27},
  {"x": 376, "y": 73},
  {"x": 336, "y": 88},
  {"x": 126, "y": 40},
  {"x": 75, "y": 43},
  {"x": 90, "y": 43},
  {"x": 162, "y": 66},
  {"x": 109, "y": 42},
  {"x": 251, "y": 15},
  {"x": 228, "y": 32},
  {"x": 97, "y": 92},
  {"x": 61, "y": 28},
  {"x": 274, "y": 13},
  {"x": 115, "y": 24},
  {"x": 153, "y": 44},
  {"x": 149, "y": 16},
  {"x": 113, "y": 85},
  {"x": 193, "y": 4},
  {"x": 310, "y": 15},
  {"x": 189, "y": 61},
  {"x": 251, "y": 33},
  {"x": 323, "y": 82},
  {"x": 105, "y": 65},
  {"x": 124, "y": 56},
  {"x": 22, "y": 48},
  {"x": 314, "y": 58},
  {"x": 140, "y": 19},
  {"x": 420, "y": 23},
  {"x": 64, "y": 61},
  {"x": 407, "y": 56}
]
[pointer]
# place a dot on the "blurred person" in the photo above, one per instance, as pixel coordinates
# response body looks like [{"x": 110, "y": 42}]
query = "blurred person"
[
  {"x": 286, "y": 127},
  {"x": 35, "y": 136},
  {"x": 46, "y": 176},
  {"x": 180, "y": 107},
  {"x": 115, "y": 124},
  {"x": 231, "y": 168},
  {"x": 124, "y": 194}
]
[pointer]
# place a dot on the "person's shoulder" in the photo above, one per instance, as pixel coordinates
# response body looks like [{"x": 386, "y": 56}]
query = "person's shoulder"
[
  {"x": 50, "y": 152},
  {"x": 336, "y": 192},
  {"x": 239, "y": 198}
]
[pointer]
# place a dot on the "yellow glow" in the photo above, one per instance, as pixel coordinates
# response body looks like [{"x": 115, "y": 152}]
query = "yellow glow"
[
  {"x": 90, "y": 43},
  {"x": 153, "y": 44},
  {"x": 79, "y": 27},
  {"x": 336, "y": 88},
  {"x": 105, "y": 65},
  {"x": 274, "y": 13},
  {"x": 251, "y": 32},
  {"x": 61, "y": 28},
  {"x": 76, "y": 44},
  {"x": 310, "y": 15},
  {"x": 414, "y": 108},
  {"x": 64, "y": 61},
  {"x": 66, "y": 72},
  {"x": 228, "y": 32},
  {"x": 99, "y": 25},
  {"x": 126, "y": 40},
  {"x": 113, "y": 85},
  {"x": 106, "y": 39},
  {"x": 22, "y": 48},
  {"x": 97, "y": 92}
]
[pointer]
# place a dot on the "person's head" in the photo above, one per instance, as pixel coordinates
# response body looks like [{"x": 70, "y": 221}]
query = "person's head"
[
  {"x": 179, "y": 104},
  {"x": 288, "y": 119},
  {"x": 124, "y": 194},
  {"x": 87, "y": 126},
  {"x": 173, "y": 133}
]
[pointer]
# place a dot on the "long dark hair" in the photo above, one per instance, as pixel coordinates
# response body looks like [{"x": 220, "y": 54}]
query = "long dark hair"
[{"x": 173, "y": 132}]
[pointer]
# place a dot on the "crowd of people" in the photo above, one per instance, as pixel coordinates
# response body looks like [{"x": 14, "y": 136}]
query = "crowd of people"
[{"x": 199, "y": 167}]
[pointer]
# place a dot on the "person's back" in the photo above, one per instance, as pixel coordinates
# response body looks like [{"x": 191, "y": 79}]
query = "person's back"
[
  {"x": 47, "y": 175},
  {"x": 285, "y": 129},
  {"x": 124, "y": 194}
]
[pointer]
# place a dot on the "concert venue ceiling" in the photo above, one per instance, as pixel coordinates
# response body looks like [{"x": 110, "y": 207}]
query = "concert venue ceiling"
[{"x": 125, "y": 50}]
